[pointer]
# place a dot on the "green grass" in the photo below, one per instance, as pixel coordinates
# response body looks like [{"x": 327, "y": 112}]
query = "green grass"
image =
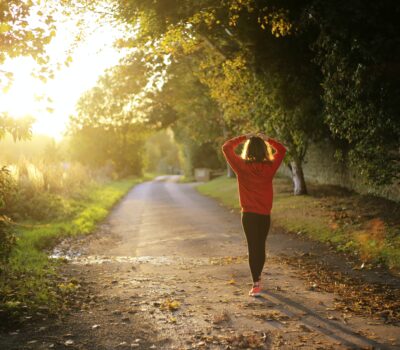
[
  {"x": 313, "y": 217},
  {"x": 32, "y": 277},
  {"x": 223, "y": 189},
  {"x": 186, "y": 179},
  {"x": 95, "y": 205}
]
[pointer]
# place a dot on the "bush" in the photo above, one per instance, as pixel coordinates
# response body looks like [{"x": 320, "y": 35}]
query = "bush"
[
  {"x": 7, "y": 241},
  {"x": 7, "y": 238},
  {"x": 40, "y": 206},
  {"x": 43, "y": 191}
]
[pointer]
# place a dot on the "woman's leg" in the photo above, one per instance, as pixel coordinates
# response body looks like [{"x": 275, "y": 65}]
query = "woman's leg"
[
  {"x": 250, "y": 229},
  {"x": 256, "y": 227},
  {"x": 263, "y": 225}
]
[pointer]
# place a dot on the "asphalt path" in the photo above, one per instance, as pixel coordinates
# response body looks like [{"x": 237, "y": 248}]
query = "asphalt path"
[{"x": 168, "y": 270}]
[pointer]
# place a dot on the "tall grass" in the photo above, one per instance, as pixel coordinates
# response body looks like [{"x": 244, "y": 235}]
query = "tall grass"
[
  {"x": 48, "y": 202},
  {"x": 42, "y": 191}
]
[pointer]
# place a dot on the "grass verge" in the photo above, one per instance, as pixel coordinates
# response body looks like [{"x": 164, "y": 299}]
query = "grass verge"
[
  {"x": 186, "y": 179},
  {"x": 365, "y": 226},
  {"x": 31, "y": 283}
]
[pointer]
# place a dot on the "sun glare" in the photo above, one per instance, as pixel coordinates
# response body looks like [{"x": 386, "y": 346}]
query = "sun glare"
[{"x": 51, "y": 103}]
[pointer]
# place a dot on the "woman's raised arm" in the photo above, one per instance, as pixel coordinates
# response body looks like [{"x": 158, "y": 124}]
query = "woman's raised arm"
[
  {"x": 228, "y": 149},
  {"x": 280, "y": 151}
]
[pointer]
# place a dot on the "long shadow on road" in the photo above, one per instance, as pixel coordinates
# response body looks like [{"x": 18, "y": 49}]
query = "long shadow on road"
[{"x": 322, "y": 325}]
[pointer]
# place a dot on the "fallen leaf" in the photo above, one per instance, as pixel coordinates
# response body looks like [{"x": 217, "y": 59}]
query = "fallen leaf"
[{"x": 170, "y": 304}]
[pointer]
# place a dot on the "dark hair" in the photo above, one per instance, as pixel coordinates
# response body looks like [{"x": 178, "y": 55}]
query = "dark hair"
[{"x": 256, "y": 150}]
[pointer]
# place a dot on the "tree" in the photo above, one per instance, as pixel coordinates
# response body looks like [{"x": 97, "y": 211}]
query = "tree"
[
  {"x": 259, "y": 78},
  {"x": 162, "y": 153},
  {"x": 19, "y": 37},
  {"x": 20, "y": 129},
  {"x": 358, "y": 50},
  {"x": 98, "y": 147},
  {"x": 182, "y": 104},
  {"x": 107, "y": 127},
  {"x": 197, "y": 123},
  {"x": 300, "y": 70}
]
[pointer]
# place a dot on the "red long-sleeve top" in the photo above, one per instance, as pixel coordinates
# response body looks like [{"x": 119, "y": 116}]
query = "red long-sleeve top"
[{"x": 254, "y": 178}]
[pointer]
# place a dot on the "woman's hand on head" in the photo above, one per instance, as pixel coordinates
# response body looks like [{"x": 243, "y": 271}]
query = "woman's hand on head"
[
  {"x": 251, "y": 134},
  {"x": 262, "y": 135}
]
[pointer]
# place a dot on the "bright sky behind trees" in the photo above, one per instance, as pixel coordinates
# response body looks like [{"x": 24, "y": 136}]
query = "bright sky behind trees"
[{"x": 52, "y": 102}]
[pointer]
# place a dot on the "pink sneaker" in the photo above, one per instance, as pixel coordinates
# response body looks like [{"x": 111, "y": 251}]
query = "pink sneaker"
[{"x": 256, "y": 290}]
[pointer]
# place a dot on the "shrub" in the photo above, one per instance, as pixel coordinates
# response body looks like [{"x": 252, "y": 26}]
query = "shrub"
[
  {"x": 42, "y": 191},
  {"x": 7, "y": 238},
  {"x": 7, "y": 241}
]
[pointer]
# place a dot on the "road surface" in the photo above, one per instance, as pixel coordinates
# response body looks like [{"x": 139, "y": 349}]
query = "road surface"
[{"x": 168, "y": 270}]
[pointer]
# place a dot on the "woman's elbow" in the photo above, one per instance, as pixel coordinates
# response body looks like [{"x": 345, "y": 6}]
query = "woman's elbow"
[{"x": 225, "y": 147}]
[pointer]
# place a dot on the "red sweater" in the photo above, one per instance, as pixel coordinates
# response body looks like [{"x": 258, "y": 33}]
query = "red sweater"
[{"x": 254, "y": 179}]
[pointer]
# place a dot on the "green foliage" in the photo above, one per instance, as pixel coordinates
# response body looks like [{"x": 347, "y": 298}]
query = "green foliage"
[
  {"x": 107, "y": 128},
  {"x": 357, "y": 47},
  {"x": 7, "y": 237},
  {"x": 118, "y": 148},
  {"x": 90, "y": 207},
  {"x": 253, "y": 80},
  {"x": 198, "y": 126},
  {"x": 299, "y": 70},
  {"x": 20, "y": 129},
  {"x": 38, "y": 206},
  {"x": 7, "y": 186},
  {"x": 40, "y": 191},
  {"x": 21, "y": 36},
  {"x": 110, "y": 102},
  {"x": 205, "y": 156},
  {"x": 162, "y": 153},
  {"x": 7, "y": 241}
]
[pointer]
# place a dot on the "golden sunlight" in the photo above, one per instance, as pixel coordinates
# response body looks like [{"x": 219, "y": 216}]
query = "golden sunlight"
[{"x": 52, "y": 102}]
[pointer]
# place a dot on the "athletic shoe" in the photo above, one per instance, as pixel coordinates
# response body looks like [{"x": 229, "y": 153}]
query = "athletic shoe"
[{"x": 255, "y": 291}]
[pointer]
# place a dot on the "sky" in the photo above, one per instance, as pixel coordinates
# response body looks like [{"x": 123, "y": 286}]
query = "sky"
[{"x": 90, "y": 58}]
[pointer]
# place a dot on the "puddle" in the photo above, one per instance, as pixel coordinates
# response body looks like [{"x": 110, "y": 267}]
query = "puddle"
[
  {"x": 101, "y": 259},
  {"x": 75, "y": 257},
  {"x": 65, "y": 254}
]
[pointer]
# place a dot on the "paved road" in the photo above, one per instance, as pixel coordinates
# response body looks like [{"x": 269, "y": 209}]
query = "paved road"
[
  {"x": 168, "y": 270},
  {"x": 164, "y": 218}
]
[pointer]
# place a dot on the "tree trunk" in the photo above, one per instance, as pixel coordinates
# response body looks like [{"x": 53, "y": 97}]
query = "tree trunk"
[{"x": 298, "y": 178}]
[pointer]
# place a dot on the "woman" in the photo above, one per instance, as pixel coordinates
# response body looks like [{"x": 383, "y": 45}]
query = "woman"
[{"x": 255, "y": 170}]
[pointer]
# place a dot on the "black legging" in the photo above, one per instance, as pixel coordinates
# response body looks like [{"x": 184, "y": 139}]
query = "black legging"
[{"x": 256, "y": 228}]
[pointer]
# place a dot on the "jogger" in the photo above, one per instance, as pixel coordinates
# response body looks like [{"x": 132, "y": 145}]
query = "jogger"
[
  {"x": 256, "y": 228},
  {"x": 255, "y": 169}
]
